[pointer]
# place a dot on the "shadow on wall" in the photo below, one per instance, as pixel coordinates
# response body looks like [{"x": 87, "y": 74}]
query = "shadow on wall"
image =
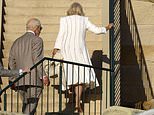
[
  {"x": 133, "y": 66},
  {"x": 97, "y": 59}
]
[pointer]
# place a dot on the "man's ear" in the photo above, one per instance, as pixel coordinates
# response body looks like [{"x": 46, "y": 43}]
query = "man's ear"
[{"x": 35, "y": 29}]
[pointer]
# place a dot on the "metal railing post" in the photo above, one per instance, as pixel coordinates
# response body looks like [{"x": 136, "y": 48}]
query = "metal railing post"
[
  {"x": 111, "y": 20},
  {"x": 5, "y": 101},
  {"x": 60, "y": 88}
]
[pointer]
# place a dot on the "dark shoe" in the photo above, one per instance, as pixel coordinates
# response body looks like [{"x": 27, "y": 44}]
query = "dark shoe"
[
  {"x": 78, "y": 110},
  {"x": 71, "y": 97}
]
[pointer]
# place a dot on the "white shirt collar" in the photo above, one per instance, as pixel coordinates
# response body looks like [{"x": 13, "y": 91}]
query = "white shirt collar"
[{"x": 31, "y": 31}]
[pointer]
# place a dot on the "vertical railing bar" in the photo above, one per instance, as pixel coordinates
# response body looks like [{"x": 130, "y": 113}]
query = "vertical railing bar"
[
  {"x": 67, "y": 90},
  {"x": 54, "y": 89},
  {"x": 11, "y": 100},
  {"x": 95, "y": 96},
  {"x": 60, "y": 88},
  {"x": 84, "y": 91},
  {"x": 5, "y": 101},
  {"x": 101, "y": 92},
  {"x": 17, "y": 102},
  {"x": 78, "y": 86},
  {"x": 106, "y": 89},
  {"x": 47, "y": 89},
  {"x": 41, "y": 89},
  {"x": 111, "y": 20},
  {"x": 36, "y": 85},
  {"x": 89, "y": 89},
  {"x": 42, "y": 105},
  {"x": 24, "y": 89},
  {"x": 41, "y": 102},
  {"x": 72, "y": 85},
  {"x": 28, "y": 90}
]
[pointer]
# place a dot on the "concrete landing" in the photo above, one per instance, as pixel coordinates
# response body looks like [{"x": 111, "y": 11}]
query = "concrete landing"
[
  {"x": 117, "y": 110},
  {"x": 9, "y": 113}
]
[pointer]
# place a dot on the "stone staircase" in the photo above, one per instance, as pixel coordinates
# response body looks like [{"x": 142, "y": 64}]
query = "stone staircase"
[
  {"x": 17, "y": 12},
  {"x": 144, "y": 15}
]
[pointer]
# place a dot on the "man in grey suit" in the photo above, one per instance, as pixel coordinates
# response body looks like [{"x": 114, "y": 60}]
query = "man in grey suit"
[{"x": 26, "y": 51}]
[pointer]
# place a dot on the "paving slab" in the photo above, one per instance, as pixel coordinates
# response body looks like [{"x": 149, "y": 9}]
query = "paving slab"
[{"x": 117, "y": 110}]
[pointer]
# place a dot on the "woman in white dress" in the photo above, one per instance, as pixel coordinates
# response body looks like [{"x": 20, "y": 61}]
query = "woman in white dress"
[{"x": 72, "y": 45}]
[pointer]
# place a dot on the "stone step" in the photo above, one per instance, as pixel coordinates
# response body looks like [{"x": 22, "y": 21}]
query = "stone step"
[
  {"x": 49, "y": 45},
  {"x": 13, "y": 97},
  {"x": 20, "y": 28},
  {"x": 50, "y": 3},
  {"x": 48, "y": 11},
  {"x": 51, "y": 37},
  {"x": 49, "y": 19},
  {"x": 11, "y": 28},
  {"x": 47, "y": 53},
  {"x": 10, "y": 19},
  {"x": 41, "y": 107},
  {"x": 53, "y": 29}
]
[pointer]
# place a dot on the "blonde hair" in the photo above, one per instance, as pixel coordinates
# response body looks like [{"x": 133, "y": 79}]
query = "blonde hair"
[{"x": 75, "y": 9}]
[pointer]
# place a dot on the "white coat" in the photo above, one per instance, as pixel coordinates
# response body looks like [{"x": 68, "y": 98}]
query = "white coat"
[{"x": 72, "y": 44}]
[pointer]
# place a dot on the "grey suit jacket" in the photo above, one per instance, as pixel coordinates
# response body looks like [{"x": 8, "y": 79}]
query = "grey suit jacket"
[
  {"x": 26, "y": 51},
  {"x": 7, "y": 73}
]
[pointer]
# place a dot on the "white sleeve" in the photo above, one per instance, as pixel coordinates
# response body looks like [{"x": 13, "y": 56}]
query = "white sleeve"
[
  {"x": 60, "y": 35},
  {"x": 93, "y": 28}
]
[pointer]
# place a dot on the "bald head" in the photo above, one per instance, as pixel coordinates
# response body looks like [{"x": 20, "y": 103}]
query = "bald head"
[{"x": 32, "y": 24}]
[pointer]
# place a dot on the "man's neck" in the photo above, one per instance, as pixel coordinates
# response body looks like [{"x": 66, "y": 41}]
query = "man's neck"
[{"x": 31, "y": 31}]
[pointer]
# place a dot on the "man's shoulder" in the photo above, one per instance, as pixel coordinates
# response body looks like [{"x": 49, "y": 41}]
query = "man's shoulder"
[
  {"x": 37, "y": 39},
  {"x": 20, "y": 37}
]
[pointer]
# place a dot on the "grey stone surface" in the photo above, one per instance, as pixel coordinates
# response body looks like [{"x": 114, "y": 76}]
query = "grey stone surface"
[
  {"x": 10, "y": 113},
  {"x": 117, "y": 110}
]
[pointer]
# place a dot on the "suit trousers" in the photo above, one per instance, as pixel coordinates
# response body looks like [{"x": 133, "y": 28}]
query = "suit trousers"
[{"x": 30, "y": 96}]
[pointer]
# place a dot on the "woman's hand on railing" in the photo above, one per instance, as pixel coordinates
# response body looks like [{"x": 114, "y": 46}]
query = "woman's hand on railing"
[
  {"x": 46, "y": 80},
  {"x": 109, "y": 26},
  {"x": 54, "y": 51}
]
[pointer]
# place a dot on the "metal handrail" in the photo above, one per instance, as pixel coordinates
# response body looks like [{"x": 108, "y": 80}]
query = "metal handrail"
[
  {"x": 75, "y": 63},
  {"x": 59, "y": 101},
  {"x": 50, "y": 59}
]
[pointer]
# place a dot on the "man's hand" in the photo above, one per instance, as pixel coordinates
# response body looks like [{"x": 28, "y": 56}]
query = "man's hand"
[
  {"x": 46, "y": 80},
  {"x": 26, "y": 70},
  {"x": 13, "y": 87}
]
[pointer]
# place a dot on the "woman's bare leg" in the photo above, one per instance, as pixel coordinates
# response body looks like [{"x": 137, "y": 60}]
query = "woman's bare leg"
[{"x": 78, "y": 93}]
